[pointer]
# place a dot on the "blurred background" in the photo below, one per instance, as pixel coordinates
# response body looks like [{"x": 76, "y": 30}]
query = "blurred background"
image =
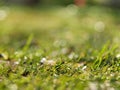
[
  {"x": 59, "y": 44},
  {"x": 115, "y": 3},
  {"x": 88, "y": 23}
]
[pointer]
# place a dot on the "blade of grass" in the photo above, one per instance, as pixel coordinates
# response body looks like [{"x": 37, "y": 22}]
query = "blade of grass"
[
  {"x": 98, "y": 61},
  {"x": 104, "y": 54},
  {"x": 29, "y": 40}
]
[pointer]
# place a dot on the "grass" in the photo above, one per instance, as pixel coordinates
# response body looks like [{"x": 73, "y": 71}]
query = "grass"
[{"x": 63, "y": 48}]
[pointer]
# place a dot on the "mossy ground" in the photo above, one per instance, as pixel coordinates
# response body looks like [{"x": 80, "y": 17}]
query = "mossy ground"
[{"x": 61, "y": 48}]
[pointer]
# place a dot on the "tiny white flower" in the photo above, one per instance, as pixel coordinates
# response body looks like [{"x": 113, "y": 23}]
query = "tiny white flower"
[
  {"x": 84, "y": 67},
  {"x": 43, "y": 60}
]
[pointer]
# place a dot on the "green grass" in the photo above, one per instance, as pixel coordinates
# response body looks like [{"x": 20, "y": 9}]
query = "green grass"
[{"x": 63, "y": 48}]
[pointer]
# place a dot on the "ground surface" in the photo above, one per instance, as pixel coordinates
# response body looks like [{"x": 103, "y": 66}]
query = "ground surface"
[{"x": 61, "y": 48}]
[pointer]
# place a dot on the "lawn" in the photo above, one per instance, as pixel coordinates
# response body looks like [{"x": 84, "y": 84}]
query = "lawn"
[{"x": 59, "y": 48}]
